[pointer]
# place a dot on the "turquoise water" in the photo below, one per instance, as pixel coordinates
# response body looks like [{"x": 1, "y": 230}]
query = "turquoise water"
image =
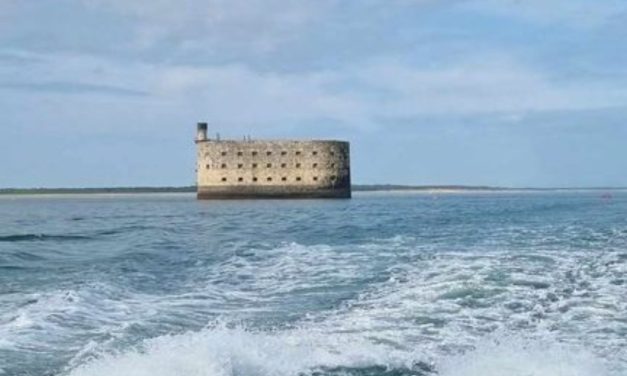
[{"x": 529, "y": 284}]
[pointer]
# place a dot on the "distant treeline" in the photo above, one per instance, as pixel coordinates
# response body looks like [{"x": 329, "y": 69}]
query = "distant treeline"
[
  {"x": 396, "y": 187},
  {"x": 356, "y": 188},
  {"x": 19, "y": 191},
  {"x": 359, "y": 187}
]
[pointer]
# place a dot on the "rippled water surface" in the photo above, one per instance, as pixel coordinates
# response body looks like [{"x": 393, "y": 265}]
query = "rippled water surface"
[{"x": 529, "y": 284}]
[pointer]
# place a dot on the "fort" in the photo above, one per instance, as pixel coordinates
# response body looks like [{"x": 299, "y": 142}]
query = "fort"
[{"x": 230, "y": 169}]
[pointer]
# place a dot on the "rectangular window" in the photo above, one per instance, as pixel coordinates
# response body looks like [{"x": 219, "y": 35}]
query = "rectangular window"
[
  {"x": 223, "y": 153},
  {"x": 269, "y": 165},
  {"x": 284, "y": 178},
  {"x": 223, "y": 179},
  {"x": 223, "y": 165},
  {"x": 332, "y": 153},
  {"x": 332, "y": 165},
  {"x": 298, "y": 178},
  {"x": 315, "y": 178},
  {"x": 240, "y": 165},
  {"x": 283, "y": 165},
  {"x": 297, "y": 165},
  {"x": 254, "y": 165},
  {"x": 269, "y": 178},
  {"x": 255, "y": 179},
  {"x": 314, "y": 165},
  {"x": 333, "y": 177},
  {"x": 283, "y": 153},
  {"x": 268, "y": 153},
  {"x": 254, "y": 153},
  {"x": 314, "y": 153},
  {"x": 240, "y": 179},
  {"x": 298, "y": 153},
  {"x": 208, "y": 167},
  {"x": 239, "y": 153}
]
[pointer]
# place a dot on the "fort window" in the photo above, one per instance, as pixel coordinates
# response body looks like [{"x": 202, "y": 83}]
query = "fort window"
[
  {"x": 254, "y": 165},
  {"x": 223, "y": 165},
  {"x": 223, "y": 153},
  {"x": 314, "y": 165},
  {"x": 298, "y": 178},
  {"x": 298, "y": 153},
  {"x": 269, "y": 178},
  {"x": 223, "y": 179},
  {"x": 268, "y": 153},
  {"x": 284, "y": 178},
  {"x": 254, "y": 179},
  {"x": 254, "y": 153},
  {"x": 332, "y": 165},
  {"x": 269, "y": 165},
  {"x": 283, "y": 153},
  {"x": 297, "y": 165},
  {"x": 283, "y": 165},
  {"x": 208, "y": 167},
  {"x": 333, "y": 177},
  {"x": 239, "y": 153},
  {"x": 314, "y": 153},
  {"x": 315, "y": 178},
  {"x": 240, "y": 165},
  {"x": 240, "y": 179},
  {"x": 332, "y": 153}
]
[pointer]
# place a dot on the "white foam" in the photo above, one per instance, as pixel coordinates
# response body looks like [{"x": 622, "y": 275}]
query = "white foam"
[
  {"x": 222, "y": 351},
  {"x": 227, "y": 352},
  {"x": 525, "y": 357},
  {"x": 423, "y": 309}
]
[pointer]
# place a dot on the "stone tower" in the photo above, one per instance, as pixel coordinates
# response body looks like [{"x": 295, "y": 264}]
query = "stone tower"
[{"x": 229, "y": 169}]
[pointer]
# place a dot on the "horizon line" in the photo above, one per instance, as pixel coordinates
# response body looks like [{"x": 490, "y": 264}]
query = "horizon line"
[{"x": 355, "y": 187}]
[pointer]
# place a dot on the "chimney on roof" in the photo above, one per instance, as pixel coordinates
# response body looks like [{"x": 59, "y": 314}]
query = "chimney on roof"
[{"x": 201, "y": 132}]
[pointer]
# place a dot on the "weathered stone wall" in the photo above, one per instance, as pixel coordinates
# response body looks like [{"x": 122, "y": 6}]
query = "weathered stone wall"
[{"x": 248, "y": 169}]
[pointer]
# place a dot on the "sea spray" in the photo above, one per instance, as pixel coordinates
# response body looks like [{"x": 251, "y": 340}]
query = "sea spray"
[
  {"x": 516, "y": 356},
  {"x": 222, "y": 351}
]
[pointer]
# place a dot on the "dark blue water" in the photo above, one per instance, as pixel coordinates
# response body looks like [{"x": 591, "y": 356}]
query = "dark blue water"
[{"x": 529, "y": 284}]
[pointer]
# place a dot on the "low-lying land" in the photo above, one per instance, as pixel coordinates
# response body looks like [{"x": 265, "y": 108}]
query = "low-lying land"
[{"x": 355, "y": 188}]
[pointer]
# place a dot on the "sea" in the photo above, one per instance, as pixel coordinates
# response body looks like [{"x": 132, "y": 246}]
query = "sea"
[{"x": 385, "y": 284}]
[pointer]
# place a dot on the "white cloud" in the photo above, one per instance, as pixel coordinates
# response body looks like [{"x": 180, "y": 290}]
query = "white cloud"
[
  {"x": 486, "y": 85},
  {"x": 358, "y": 96},
  {"x": 481, "y": 85},
  {"x": 256, "y": 25}
]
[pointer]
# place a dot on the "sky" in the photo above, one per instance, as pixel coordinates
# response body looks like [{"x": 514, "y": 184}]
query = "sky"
[{"x": 512, "y": 93}]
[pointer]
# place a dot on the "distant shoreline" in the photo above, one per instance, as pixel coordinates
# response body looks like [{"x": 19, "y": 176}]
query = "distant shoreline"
[{"x": 355, "y": 188}]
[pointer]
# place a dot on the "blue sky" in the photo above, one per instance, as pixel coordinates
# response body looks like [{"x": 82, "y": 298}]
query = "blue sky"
[{"x": 479, "y": 92}]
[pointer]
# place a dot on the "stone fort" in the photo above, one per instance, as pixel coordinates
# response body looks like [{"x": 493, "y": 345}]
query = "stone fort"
[{"x": 271, "y": 168}]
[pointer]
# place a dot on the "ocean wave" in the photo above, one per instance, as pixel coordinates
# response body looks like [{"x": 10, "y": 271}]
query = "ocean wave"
[
  {"x": 442, "y": 300},
  {"x": 516, "y": 356},
  {"x": 228, "y": 352},
  {"x": 375, "y": 286},
  {"x": 451, "y": 299},
  {"x": 224, "y": 352},
  {"x": 41, "y": 237}
]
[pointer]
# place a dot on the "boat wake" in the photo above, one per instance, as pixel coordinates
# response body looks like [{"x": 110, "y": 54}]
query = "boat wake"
[{"x": 221, "y": 351}]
